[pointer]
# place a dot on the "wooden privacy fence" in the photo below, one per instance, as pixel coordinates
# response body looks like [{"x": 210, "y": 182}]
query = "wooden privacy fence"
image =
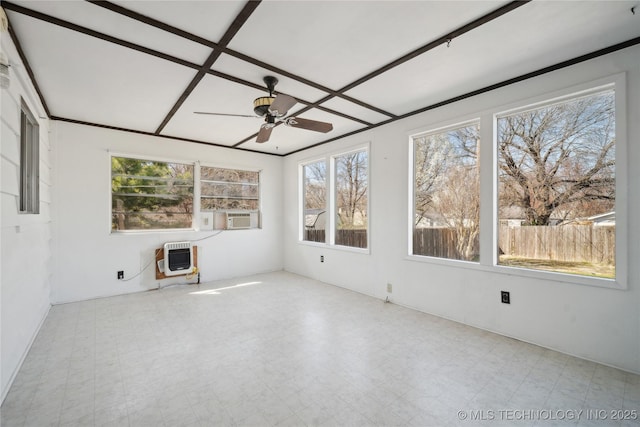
[
  {"x": 573, "y": 243},
  {"x": 314, "y": 235},
  {"x": 353, "y": 238},
  {"x": 439, "y": 242}
]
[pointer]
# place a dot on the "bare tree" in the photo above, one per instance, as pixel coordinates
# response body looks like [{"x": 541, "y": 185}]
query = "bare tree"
[
  {"x": 224, "y": 189},
  {"x": 315, "y": 186},
  {"x": 447, "y": 185},
  {"x": 558, "y": 159},
  {"x": 459, "y": 205},
  {"x": 351, "y": 189},
  {"x": 431, "y": 154}
]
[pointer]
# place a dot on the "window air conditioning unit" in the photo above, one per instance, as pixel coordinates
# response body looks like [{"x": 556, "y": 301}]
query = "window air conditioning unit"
[
  {"x": 178, "y": 258},
  {"x": 236, "y": 221}
]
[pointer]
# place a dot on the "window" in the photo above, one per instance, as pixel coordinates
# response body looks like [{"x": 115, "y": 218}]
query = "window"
[
  {"x": 351, "y": 199},
  {"x": 151, "y": 195},
  {"x": 158, "y": 195},
  {"x": 229, "y": 189},
  {"x": 29, "y": 162},
  {"x": 229, "y": 198},
  {"x": 314, "y": 177},
  {"x": 557, "y": 186},
  {"x": 547, "y": 182},
  {"x": 335, "y": 199},
  {"x": 446, "y": 193}
]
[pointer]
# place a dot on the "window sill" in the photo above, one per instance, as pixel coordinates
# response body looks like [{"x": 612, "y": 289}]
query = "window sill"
[
  {"x": 364, "y": 251},
  {"x": 156, "y": 231},
  {"x": 615, "y": 284}
]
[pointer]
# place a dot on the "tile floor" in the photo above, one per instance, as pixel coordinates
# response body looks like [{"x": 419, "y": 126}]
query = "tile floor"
[{"x": 282, "y": 350}]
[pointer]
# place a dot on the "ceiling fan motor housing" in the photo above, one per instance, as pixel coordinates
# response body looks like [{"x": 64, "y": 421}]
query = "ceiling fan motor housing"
[{"x": 261, "y": 105}]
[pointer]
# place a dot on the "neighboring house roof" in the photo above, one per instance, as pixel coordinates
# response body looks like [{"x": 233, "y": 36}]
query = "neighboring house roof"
[
  {"x": 609, "y": 216},
  {"x": 431, "y": 219},
  {"x": 606, "y": 219}
]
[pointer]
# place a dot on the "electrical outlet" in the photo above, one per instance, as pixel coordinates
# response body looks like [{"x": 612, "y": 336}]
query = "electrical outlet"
[
  {"x": 389, "y": 288},
  {"x": 505, "y": 297},
  {"x": 120, "y": 275},
  {"x": 321, "y": 258}
]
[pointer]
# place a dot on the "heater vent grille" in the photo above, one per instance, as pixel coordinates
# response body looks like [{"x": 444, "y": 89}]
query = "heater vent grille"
[
  {"x": 178, "y": 258},
  {"x": 177, "y": 245}
]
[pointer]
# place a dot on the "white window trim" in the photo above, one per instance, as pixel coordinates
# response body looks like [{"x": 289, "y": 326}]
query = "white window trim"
[
  {"x": 301, "y": 198},
  {"x": 433, "y": 130},
  {"x": 618, "y": 83},
  {"x": 441, "y": 128},
  {"x": 489, "y": 187},
  {"x": 331, "y": 199},
  {"x": 240, "y": 168},
  {"x": 195, "y": 218},
  {"x": 198, "y": 189}
]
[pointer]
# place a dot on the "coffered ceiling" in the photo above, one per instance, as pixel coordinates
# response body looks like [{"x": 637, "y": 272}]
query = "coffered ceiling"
[{"x": 148, "y": 66}]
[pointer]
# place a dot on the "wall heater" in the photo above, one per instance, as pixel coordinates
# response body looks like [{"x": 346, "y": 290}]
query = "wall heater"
[{"x": 178, "y": 258}]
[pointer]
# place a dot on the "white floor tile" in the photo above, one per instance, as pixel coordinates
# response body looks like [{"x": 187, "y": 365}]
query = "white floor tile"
[{"x": 290, "y": 351}]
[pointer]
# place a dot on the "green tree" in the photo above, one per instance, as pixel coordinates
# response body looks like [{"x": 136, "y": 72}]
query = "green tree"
[{"x": 150, "y": 193}]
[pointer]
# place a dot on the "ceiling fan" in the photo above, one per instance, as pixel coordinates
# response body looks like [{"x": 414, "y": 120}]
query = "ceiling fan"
[{"x": 273, "y": 108}]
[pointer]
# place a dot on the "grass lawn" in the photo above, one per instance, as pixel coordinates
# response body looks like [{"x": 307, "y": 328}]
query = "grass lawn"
[{"x": 605, "y": 271}]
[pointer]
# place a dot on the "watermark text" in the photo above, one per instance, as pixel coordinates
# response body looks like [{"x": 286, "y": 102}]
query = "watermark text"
[{"x": 548, "y": 414}]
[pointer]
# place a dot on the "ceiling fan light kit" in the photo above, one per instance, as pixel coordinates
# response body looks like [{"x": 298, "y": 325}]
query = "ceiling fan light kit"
[
  {"x": 274, "y": 107},
  {"x": 261, "y": 105}
]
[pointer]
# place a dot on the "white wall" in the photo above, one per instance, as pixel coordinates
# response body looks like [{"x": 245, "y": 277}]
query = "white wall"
[
  {"x": 591, "y": 322},
  {"x": 88, "y": 256},
  {"x": 25, "y": 239}
]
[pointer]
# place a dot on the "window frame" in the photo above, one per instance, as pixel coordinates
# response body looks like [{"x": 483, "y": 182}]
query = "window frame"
[
  {"x": 617, "y": 83},
  {"x": 334, "y": 197},
  {"x": 196, "y": 193},
  {"x": 302, "y": 198},
  {"x": 29, "y": 191},
  {"x": 488, "y": 165},
  {"x": 330, "y": 229},
  {"x": 198, "y": 190},
  {"x": 476, "y": 120}
]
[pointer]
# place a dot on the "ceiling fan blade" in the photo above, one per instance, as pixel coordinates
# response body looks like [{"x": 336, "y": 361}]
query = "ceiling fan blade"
[
  {"x": 224, "y": 114},
  {"x": 281, "y": 105},
  {"x": 298, "y": 122},
  {"x": 264, "y": 134}
]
